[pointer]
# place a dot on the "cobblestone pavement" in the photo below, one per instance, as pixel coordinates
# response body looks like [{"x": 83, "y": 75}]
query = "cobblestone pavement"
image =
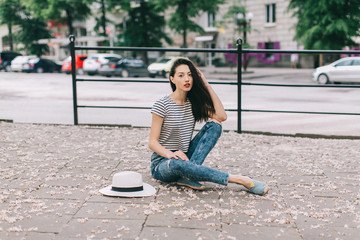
[{"x": 51, "y": 174}]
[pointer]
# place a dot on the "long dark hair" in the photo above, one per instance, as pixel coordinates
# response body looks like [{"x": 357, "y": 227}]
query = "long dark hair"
[{"x": 199, "y": 96}]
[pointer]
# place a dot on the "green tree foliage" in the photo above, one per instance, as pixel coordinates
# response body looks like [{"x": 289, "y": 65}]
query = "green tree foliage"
[
  {"x": 56, "y": 9},
  {"x": 13, "y": 12},
  {"x": 104, "y": 6},
  {"x": 10, "y": 15},
  {"x": 144, "y": 26},
  {"x": 236, "y": 15},
  {"x": 326, "y": 24},
  {"x": 101, "y": 21},
  {"x": 232, "y": 16},
  {"x": 241, "y": 25},
  {"x": 33, "y": 29},
  {"x": 181, "y": 20}
]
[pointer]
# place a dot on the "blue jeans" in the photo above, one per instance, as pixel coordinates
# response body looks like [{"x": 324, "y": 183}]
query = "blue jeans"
[{"x": 171, "y": 170}]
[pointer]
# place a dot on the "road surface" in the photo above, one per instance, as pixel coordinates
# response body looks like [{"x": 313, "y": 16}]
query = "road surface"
[{"x": 47, "y": 98}]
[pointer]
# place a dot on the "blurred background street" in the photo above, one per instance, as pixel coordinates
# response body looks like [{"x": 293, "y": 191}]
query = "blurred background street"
[
  {"x": 285, "y": 42},
  {"x": 47, "y": 98}
]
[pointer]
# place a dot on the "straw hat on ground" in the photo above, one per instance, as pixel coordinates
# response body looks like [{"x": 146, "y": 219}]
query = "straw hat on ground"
[{"x": 128, "y": 184}]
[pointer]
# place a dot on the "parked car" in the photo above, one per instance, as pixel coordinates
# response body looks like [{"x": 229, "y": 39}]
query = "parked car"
[
  {"x": 127, "y": 67},
  {"x": 93, "y": 62},
  {"x": 34, "y": 64},
  {"x": 19, "y": 61},
  {"x": 343, "y": 70},
  {"x": 79, "y": 62},
  {"x": 40, "y": 65},
  {"x": 5, "y": 60},
  {"x": 161, "y": 67}
]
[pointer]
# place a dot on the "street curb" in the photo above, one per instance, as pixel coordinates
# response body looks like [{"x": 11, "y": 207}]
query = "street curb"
[
  {"x": 7, "y": 120},
  {"x": 302, "y": 135},
  {"x": 296, "y": 135}
]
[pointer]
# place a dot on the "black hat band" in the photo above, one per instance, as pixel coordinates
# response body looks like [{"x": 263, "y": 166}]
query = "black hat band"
[{"x": 133, "y": 189}]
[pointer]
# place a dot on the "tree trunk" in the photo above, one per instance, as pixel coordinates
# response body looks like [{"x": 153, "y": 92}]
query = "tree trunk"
[
  {"x": 184, "y": 7},
  {"x": 320, "y": 59},
  {"x": 103, "y": 18},
  {"x": 144, "y": 33},
  {"x": 184, "y": 45},
  {"x": 69, "y": 21},
  {"x": 10, "y": 37},
  {"x": 245, "y": 60}
]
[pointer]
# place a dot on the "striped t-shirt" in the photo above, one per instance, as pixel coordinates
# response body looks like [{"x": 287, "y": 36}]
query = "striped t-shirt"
[{"x": 178, "y": 124}]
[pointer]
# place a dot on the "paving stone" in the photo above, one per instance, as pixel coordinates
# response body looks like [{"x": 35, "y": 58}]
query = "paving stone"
[
  {"x": 88, "y": 173},
  {"x": 39, "y": 215},
  {"x": 47, "y": 223},
  {"x": 173, "y": 197},
  {"x": 51, "y": 175},
  {"x": 258, "y": 213},
  {"x": 45, "y": 191},
  {"x": 184, "y": 218},
  {"x": 12, "y": 194},
  {"x": 243, "y": 231},
  {"x": 99, "y": 198},
  {"x": 18, "y": 183},
  {"x": 326, "y": 190},
  {"x": 111, "y": 211},
  {"x": 340, "y": 221},
  {"x": 179, "y": 233},
  {"x": 322, "y": 232},
  {"x": 35, "y": 206},
  {"x": 27, "y": 235},
  {"x": 84, "y": 228},
  {"x": 295, "y": 179},
  {"x": 66, "y": 180}
]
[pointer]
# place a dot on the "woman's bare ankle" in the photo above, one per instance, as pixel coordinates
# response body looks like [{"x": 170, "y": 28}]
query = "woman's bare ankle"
[{"x": 245, "y": 181}]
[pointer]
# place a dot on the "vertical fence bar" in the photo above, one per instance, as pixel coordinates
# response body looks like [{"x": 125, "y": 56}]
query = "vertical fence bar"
[
  {"x": 73, "y": 74},
  {"x": 239, "y": 83}
]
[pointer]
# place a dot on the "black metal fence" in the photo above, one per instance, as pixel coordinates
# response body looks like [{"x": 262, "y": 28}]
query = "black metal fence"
[{"x": 239, "y": 51}]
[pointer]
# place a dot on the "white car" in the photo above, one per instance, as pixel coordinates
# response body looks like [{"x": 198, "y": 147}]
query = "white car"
[
  {"x": 343, "y": 70},
  {"x": 18, "y": 64},
  {"x": 93, "y": 62},
  {"x": 161, "y": 67}
]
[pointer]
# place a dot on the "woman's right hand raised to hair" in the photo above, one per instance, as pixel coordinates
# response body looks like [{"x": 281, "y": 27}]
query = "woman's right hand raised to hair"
[
  {"x": 202, "y": 76},
  {"x": 220, "y": 114}
]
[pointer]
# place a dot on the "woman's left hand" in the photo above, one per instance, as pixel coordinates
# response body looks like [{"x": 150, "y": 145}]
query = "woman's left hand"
[{"x": 181, "y": 155}]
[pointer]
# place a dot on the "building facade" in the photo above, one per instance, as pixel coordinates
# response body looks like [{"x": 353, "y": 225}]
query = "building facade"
[{"x": 271, "y": 27}]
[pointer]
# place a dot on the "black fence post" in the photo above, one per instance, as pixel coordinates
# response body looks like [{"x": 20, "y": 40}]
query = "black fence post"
[
  {"x": 73, "y": 74},
  {"x": 239, "y": 83}
]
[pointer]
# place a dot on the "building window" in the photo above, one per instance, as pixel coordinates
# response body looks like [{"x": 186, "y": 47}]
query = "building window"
[
  {"x": 80, "y": 32},
  {"x": 271, "y": 13},
  {"x": 211, "y": 19},
  {"x": 269, "y": 56},
  {"x": 6, "y": 43}
]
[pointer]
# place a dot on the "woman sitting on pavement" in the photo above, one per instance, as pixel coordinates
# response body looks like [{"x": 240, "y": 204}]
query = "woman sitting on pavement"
[{"x": 177, "y": 157}]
